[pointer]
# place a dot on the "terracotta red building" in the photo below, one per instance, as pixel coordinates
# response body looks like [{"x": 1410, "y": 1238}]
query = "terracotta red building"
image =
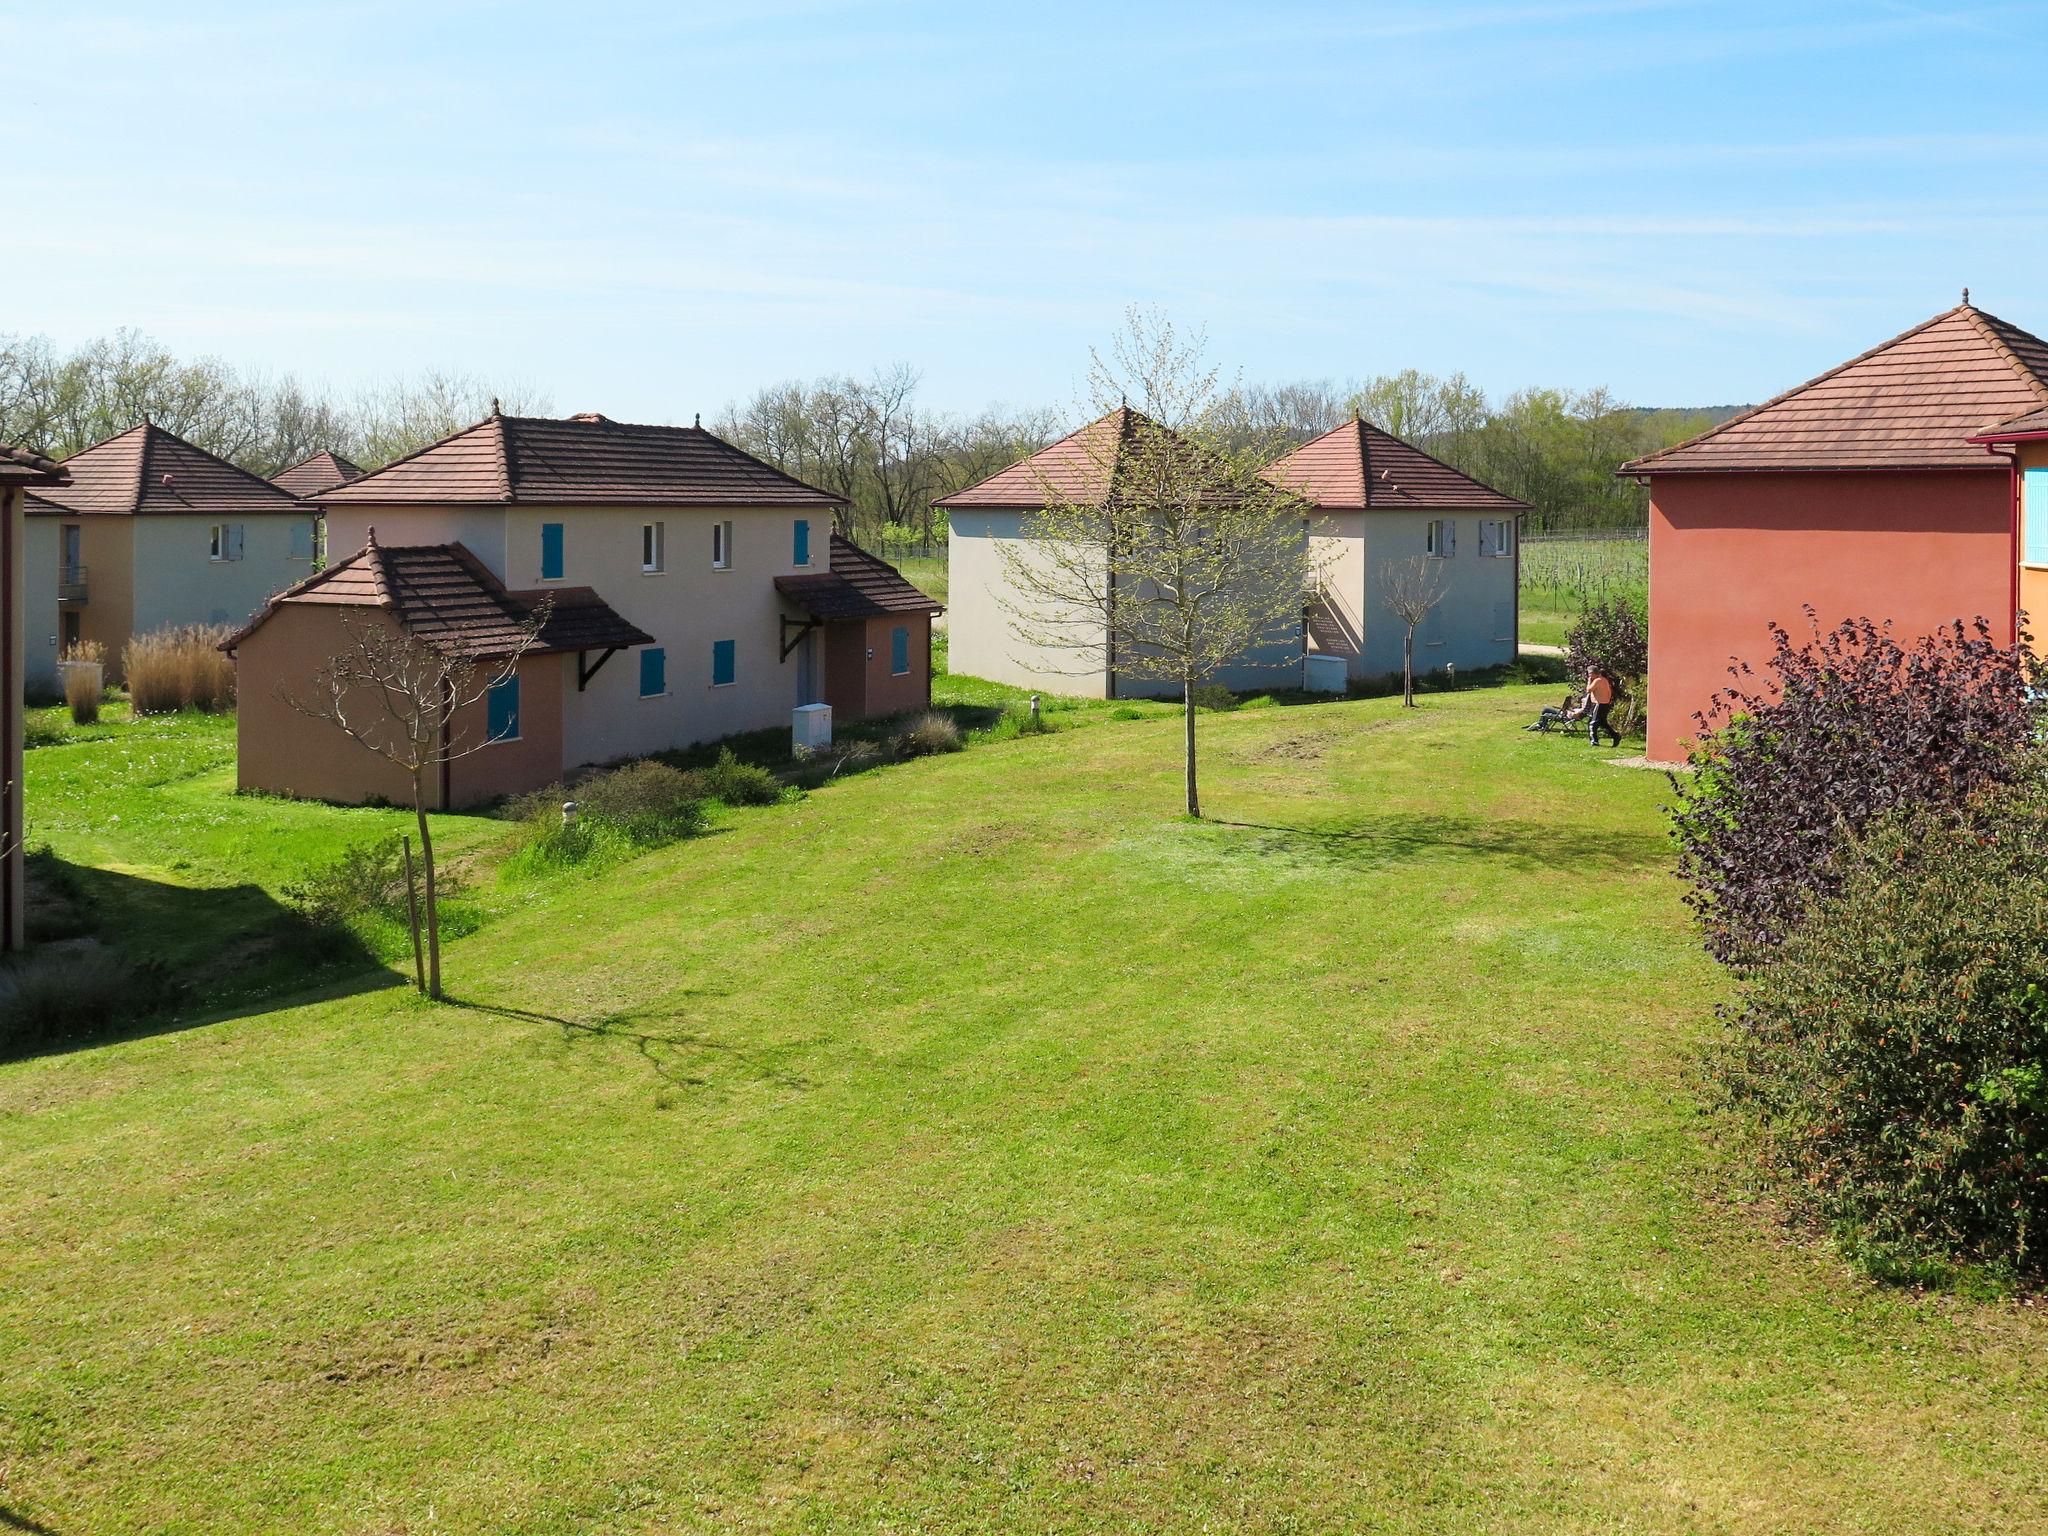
[{"x": 1868, "y": 491}]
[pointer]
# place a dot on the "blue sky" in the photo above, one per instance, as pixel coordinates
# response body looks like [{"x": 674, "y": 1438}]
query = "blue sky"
[{"x": 650, "y": 210}]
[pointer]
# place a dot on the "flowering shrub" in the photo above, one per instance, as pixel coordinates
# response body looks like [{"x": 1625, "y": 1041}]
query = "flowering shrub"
[
  {"x": 1894, "y": 1052},
  {"x": 1844, "y": 728},
  {"x": 1614, "y": 636}
]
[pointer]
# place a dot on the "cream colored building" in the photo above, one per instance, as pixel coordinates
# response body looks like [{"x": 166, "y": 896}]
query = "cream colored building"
[
  {"x": 151, "y": 533},
  {"x": 990, "y": 528},
  {"x": 19, "y": 470},
  {"x": 1382, "y": 502}
]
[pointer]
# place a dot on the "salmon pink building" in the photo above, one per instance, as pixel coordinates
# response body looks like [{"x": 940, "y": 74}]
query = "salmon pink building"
[{"x": 1867, "y": 492}]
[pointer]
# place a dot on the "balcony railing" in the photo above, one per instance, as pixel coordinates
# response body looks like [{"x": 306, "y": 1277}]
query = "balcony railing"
[{"x": 71, "y": 584}]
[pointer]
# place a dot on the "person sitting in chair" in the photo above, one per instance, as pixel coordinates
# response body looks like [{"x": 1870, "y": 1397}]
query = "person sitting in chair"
[{"x": 1556, "y": 717}]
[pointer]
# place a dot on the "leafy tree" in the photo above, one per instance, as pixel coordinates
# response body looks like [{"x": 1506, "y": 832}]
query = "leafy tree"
[
  {"x": 1842, "y": 728},
  {"x": 1188, "y": 558}
]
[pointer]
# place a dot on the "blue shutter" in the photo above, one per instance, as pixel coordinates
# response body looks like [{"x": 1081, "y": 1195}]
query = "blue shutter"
[
  {"x": 721, "y": 663},
  {"x": 503, "y": 709},
  {"x": 2034, "y": 511},
  {"x": 550, "y": 551},
  {"x": 653, "y": 671},
  {"x": 899, "y": 649},
  {"x": 803, "y": 542}
]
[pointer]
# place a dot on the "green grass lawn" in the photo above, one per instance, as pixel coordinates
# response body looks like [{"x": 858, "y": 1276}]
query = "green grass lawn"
[{"x": 975, "y": 1145}]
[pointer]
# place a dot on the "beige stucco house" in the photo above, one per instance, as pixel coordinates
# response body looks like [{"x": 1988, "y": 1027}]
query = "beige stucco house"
[
  {"x": 1381, "y": 502},
  {"x": 20, "y": 470},
  {"x": 744, "y": 601},
  {"x": 995, "y": 516},
  {"x": 152, "y": 532}
]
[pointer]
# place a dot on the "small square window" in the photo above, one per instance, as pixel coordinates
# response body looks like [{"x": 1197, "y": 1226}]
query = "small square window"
[
  {"x": 653, "y": 672},
  {"x": 1443, "y": 539},
  {"x": 721, "y": 546},
  {"x": 653, "y": 536},
  {"x": 225, "y": 542},
  {"x": 723, "y": 670}
]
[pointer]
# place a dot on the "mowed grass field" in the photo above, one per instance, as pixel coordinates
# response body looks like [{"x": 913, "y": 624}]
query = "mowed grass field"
[{"x": 975, "y": 1145}]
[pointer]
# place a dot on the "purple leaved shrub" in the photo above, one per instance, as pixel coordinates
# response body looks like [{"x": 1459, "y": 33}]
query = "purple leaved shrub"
[{"x": 1835, "y": 732}]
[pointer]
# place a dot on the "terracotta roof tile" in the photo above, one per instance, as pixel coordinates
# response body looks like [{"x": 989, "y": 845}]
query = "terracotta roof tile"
[
  {"x": 1912, "y": 403},
  {"x": 2029, "y": 425},
  {"x": 18, "y": 464},
  {"x": 147, "y": 471},
  {"x": 445, "y": 595},
  {"x": 583, "y": 459},
  {"x": 1358, "y": 466},
  {"x": 310, "y": 476},
  {"x": 1078, "y": 468},
  {"x": 858, "y": 586}
]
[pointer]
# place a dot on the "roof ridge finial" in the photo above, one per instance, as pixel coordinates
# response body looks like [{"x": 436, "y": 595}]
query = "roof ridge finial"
[
  {"x": 495, "y": 411},
  {"x": 1966, "y": 296},
  {"x": 370, "y": 537},
  {"x": 697, "y": 420}
]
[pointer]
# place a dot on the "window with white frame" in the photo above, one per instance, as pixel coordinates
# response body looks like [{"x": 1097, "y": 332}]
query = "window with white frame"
[
  {"x": 721, "y": 546},
  {"x": 1443, "y": 538},
  {"x": 653, "y": 536},
  {"x": 1496, "y": 538},
  {"x": 225, "y": 542}
]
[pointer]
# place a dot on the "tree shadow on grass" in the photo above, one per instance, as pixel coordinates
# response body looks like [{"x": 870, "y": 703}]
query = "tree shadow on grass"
[
  {"x": 1525, "y": 846},
  {"x": 677, "y": 1057},
  {"x": 116, "y": 956},
  {"x": 10, "y": 1520}
]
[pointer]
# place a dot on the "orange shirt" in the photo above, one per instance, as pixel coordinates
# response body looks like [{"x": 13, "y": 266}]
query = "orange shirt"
[{"x": 1600, "y": 691}]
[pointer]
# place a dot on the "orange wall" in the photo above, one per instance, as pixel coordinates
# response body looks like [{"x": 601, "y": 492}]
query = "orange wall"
[
  {"x": 1731, "y": 554},
  {"x": 858, "y": 682},
  {"x": 512, "y": 767}
]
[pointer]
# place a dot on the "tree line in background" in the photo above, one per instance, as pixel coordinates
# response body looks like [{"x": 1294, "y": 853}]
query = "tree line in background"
[
  {"x": 60, "y": 402},
  {"x": 867, "y": 438}
]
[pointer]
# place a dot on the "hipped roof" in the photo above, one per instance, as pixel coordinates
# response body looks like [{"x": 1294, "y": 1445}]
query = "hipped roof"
[
  {"x": 581, "y": 459},
  {"x": 857, "y": 586},
  {"x": 19, "y": 464},
  {"x": 148, "y": 471},
  {"x": 1360, "y": 467},
  {"x": 319, "y": 472},
  {"x": 450, "y": 599},
  {"x": 1916, "y": 402}
]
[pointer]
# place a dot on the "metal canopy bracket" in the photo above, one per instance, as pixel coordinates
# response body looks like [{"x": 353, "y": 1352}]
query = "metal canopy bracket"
[
  {"x": 802, "y": 627},
  {"x": 587, "y": 669}
]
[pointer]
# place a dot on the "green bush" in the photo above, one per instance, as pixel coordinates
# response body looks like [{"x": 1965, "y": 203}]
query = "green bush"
[
  {"x": 1214, "y": 696},
  {"x": 736, "y": 783},
  {"x": 1893, "y": 1054},
  {"x": 641, "y": 805},
  {"x": 54, "y": 997},
  {"x": 927, "y": 735},
  {"x": 363, "y": 894}
]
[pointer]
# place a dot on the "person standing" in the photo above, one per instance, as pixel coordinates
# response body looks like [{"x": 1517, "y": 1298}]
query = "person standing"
[{"x": 1600, "y": 700}]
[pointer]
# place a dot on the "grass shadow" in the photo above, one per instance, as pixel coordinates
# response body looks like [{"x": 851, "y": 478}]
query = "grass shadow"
[
  {"x": 1376, "y": 841},
  {"x": 676, "y": 1057}
]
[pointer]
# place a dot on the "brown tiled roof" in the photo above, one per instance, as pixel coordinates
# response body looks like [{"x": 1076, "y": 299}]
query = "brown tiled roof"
[
  {"x": 2033, "y": 424},
  {"x": 19, "y": 464},
  {"x": 1076, "y": 469},
  {"x": 1912, "y": 403},
  {"x": 583, "y": 459},
  {"x": 858, "y": 586},
  {"x": 147, "y": 471},
  {"x": 446, "y": 596},
  {"x": 322, "y": 472},
  {"x": 1357, "y": 466}
]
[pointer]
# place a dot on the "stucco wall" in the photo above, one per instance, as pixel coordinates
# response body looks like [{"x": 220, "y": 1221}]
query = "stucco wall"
[
  {"x": 107, "y": 551},
  {"x": 858, "y": 680},
  {"x": 177, "y": 581},
  {"x": 1338, "y": 627},
  {"x": 1474, "y": 625},
  {"x": 979, "y": 639},
  {"x": 514, "y": 766},
  {"x": 1732, "y": 554},
  {"x": 39, "y": 553},
  {"x": 686, "y": 607}
]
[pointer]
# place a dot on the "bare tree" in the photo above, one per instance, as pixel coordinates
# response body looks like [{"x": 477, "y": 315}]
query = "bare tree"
[
  {"x": 1173, "y": 556},
  {"x": 403, "y": 697},
  {"x": 1412, "y": 588}
]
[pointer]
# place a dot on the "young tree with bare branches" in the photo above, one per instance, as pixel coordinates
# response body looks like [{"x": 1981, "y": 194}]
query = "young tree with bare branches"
[
  {"x": 1173, "y": 556},
  {"x": 1412, "y": 588},
  {"x": 403, "y": 698}
]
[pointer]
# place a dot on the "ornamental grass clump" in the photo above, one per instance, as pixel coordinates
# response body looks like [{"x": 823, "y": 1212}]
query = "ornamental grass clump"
[
  {"x": 928, "y": 735},
  {"x": 180, "y": 667},
  {"x": 83, "y": 665},
  {"x": 1893, "y": 1055},
  {"x": 1838, "y": 731}
]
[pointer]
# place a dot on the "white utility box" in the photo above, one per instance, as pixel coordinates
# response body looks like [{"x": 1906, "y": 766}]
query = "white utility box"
[
  {"x": 1323, "y": 674},
  {"x": 810, "y": 726}
]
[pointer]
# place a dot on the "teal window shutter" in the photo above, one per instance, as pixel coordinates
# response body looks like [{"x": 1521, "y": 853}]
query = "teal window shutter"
[
  {"x": 653, "y": 671},
  {"x": 550, "y": 551},
  {"x": 803, "y": 541},
  {"x": 721, "y": 663},
  {"x": 502, "y": 707},
  {"x": 899, "y": 649},
  {"x": 2034, "y": 515}
]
